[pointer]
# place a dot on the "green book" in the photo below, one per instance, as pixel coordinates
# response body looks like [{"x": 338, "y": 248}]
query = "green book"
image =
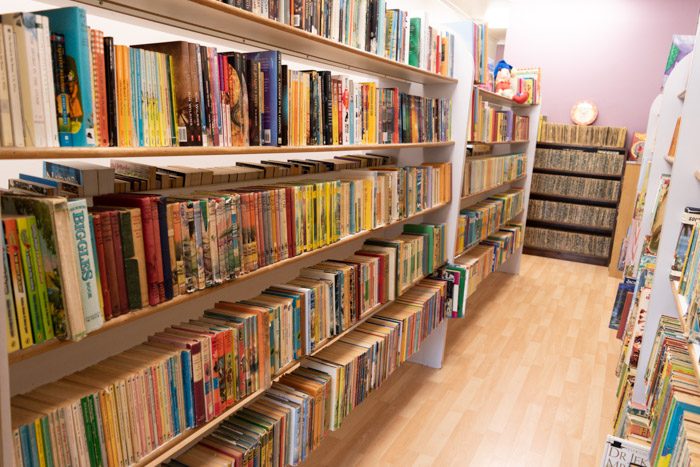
[
  {"x": 428, "y": 244},
  {"x": 414, "y": 42},
  {"x": 29, "y": 267},
  {"x": 41, "y": 277},
  {"x": 131, "y": 264}
]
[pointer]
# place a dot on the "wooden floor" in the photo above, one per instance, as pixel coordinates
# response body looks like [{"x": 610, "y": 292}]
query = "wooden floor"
[{"x": 528, "y": 379}]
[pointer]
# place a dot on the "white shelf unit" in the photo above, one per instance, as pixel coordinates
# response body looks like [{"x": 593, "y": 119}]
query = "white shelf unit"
[
  {"x": 129, "y": 23},
  {"x": 684, "y": 190}
]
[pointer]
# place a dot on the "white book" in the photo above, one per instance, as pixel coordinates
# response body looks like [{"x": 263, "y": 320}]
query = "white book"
[
  {"x": 13, "y": 85},
  {"x": 26, "y": 32},
  {"x": 362, "y": 25},
  {"x": 47, "y": 81},
  {"x": 335, "y": 20},
  {"x": 381, "y": 28},
  {"x": 5, "y": 118},
  {"x": 87, "y": 265}
]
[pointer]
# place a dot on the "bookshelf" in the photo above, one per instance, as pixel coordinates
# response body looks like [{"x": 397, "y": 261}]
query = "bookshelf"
[
  {"x": 561, "y": 223},
  {"x": 127, "y": 152},
  {"x": 494, "y": 98},
  {"x": 217, "y": 23},
  {"x": 683, "y": 191},
  {"x": 182, "y": 300},
  {"x": 218, "y": 19}
]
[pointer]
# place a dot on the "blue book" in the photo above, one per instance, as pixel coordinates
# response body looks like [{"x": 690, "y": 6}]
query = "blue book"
[
  {"x": 186, "y": 365},
  {"x": 72, "y": 24},
  {"x": 175, "y": 408},
  {"x": 270, "y": 64}
]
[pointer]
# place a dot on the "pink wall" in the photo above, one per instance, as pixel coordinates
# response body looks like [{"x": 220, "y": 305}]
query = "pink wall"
[{"x": 612, "y": 52}]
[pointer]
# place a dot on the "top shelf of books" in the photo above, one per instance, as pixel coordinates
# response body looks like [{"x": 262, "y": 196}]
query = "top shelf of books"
[{"x": 220, "y": 19}]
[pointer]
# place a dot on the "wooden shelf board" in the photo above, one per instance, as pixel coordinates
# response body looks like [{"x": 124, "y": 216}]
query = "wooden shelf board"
[
  {"x": 566, "y": 255},
  {"x": 491, "y": 189},
  {"x": 595, "y": 202},
  {"x": 548, "y": 171},
  {"x": 119, "y": 321},
  {"x": 522, "y": 141},
  {"x": 189, "y": 437},
  {"x": 570, "y": 227},
  {"x": 220, "y": 20},
  {"x": 580, "y": 146},
  {"x": 494, "y": 98},
  {"x": 126, "y": 152}
]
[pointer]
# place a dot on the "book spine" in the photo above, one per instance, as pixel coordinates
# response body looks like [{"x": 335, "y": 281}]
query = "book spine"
[
  {"x": 165, "y": 254},
  {"x": 9, "y": 45},
  {"x": 102, "y": 267},
  {"x": 196, "y": 84},
  {"x": 111, "y": 263},
  {"x": 31, "y": 280},
  {"x": 16, "y": 275},
  {"x": 119, "y": 262}
]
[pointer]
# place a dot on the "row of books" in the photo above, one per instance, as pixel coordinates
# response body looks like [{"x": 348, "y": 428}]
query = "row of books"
[
  {"x": 491, "y": 123},
  {"x": 565, "y": 133},
  {"x": 485, "y": 218},
  {"x": 285, "y": 424},
  {"x": 622, "y": 306},
  {"x": 571, "y": 214},
  {"x": 86, "y": 91},
  {"x": 72, "y": 269},
  {"x": 598, "y": 162},
  {"x": 373, "y": 26},
  {"x": 686, "y": 452},
  {"x": 684, "y": 268},
  {"x": 673, "y": 389},
  {"x": 576, "y": 187},
  {"x": 85, "y": 179},
  {"x": 570, "y": 242},
  {"x": 233, "y": 350},
  {"x": 480, "y": 48},
  {"x": 482, "y": 174},
  {"x": 485, "y": 257}
]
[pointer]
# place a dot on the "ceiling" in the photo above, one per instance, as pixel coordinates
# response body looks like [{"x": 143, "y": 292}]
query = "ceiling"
[{"x": 477, "y": 9}]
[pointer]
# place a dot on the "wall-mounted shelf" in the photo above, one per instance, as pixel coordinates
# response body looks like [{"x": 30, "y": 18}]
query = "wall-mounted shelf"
[
  {"x": 580, "y": 228},
  {"x": 591, "y": 201},
  {"x": 491, "y": 143},
  {"x": 124, "y": 152},
  {"x": 469, "y": 247},
  {"x": 577, "y": 174},
  {"x": 492, "y": 97},
  {"x": 579, "y": 146},
  {"x": 119, "y": 321},
  {"x": 465, "y": 200},
  {"x": 566, "y": 255},
  {"x": 218, "y": 19}
]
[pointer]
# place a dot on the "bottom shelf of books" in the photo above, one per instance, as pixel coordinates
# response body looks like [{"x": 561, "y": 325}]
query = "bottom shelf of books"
[{"x": 362, "y": 315}]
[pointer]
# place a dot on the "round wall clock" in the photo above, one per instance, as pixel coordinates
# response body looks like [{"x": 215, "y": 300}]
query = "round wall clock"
[{"x": 584, "y": 113}]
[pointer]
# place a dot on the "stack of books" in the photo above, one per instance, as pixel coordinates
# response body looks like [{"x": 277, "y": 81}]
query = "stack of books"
[
  {"x": 573, "y": 214},
  {"x": 484, "y": 173},
  {"x": 486, "y": 217},
  {"x": 87, "y": 91},
  {"x": 492, "y": 123},
  {"x": 600, "y": 162},
  {"x": 372, "y": 26},
  {"x": 485, "y": 257},
  {"x": 71, "y": 269},
  {"x": 572, "y": 242},
  {"x": 568, "y": 134},
  {"x": 121, "y": 409},
  {"x": 576, "y": 187},
  {"x": 288, "y": 422},
  {"x": 68, "y": 178}
]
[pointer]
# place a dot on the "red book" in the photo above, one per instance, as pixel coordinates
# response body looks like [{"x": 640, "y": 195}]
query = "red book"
[
  {"x": 625, "y": 313},
  {"x": 119, "y": 261},
  {"x": 110, "y": 262},
  {"x": 148, "y": 204},
  {"x": 291, "y": 222},
  {"x": 100, "y": 87},
  {"x": 259, "y": 226},
  {"x": 102, "y": 265},
  {"x": 383, "y": 293}
]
